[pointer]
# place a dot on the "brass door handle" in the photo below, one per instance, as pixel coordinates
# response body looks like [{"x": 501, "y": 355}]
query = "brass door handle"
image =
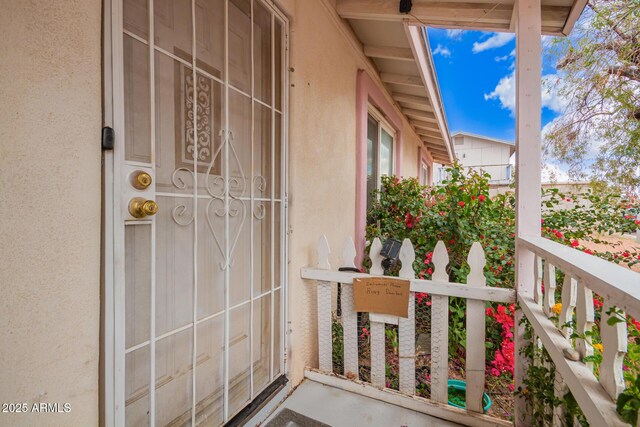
[
  {"x": 141, "y": 180},
  {"x": 140, "y": 208}
]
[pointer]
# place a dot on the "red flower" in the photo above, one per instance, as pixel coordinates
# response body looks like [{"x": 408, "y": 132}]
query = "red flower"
[
  {"x": 473, "y": 197},
  {"x": 588, "y": 251},
  {"x": 481, "y": 197},
  {"x": 626, "y": 254},
  {"x": 421, "y": 296},
  {"x": 411, "y": 221},
  {"x": 430, "y": 270},
  {"x": 489, "y": 311},
  {"x": 575, "y": 243},
  {"x": 365, "y": 333},
  {"x": 461, "y": 204}
]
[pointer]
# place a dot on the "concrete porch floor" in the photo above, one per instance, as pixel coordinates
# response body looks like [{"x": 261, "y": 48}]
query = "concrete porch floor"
[{"x": 321, "y": 405}]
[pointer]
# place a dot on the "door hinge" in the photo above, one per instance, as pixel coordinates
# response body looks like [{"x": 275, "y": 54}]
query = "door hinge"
[{"x": 108, "y": 138}]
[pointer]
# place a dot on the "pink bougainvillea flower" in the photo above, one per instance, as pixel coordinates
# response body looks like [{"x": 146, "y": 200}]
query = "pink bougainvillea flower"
[
  {"x": 421, "y": 296},
  {"x": 409, "y": 220}
]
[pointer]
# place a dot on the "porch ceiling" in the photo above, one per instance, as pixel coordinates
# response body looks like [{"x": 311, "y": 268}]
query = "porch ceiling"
[
  {"x": 400, "y": 54},
  {"x": 558, "y": 16},
  {"x": 395, "y": 44}
]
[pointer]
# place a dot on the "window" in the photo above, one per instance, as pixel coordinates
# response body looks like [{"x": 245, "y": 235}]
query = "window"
[
  {"x": 424, "y": 174},
  {"x": 380, "y": 152}
]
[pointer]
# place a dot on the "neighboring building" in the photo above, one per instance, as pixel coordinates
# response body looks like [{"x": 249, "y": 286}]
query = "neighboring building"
[{"x": 481, "y": 153}]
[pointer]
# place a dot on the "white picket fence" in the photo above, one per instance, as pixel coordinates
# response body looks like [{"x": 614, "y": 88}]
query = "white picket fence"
[{"x": 440, "y": 289}]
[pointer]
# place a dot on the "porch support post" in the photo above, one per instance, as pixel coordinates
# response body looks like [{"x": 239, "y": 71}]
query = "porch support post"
[{"x": 528, "y": 26}]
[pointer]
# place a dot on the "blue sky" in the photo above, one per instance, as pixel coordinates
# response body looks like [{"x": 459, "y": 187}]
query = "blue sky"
[{"x": 475, "y": 72}]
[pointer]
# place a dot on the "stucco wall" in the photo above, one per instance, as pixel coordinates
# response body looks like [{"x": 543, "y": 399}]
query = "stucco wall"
[
  {"x": 322, "y": 157},
  {"x": 50, "y": 117}
]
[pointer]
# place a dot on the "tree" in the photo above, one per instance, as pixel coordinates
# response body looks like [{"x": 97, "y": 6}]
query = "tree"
[{"x": 599, "y": 78}]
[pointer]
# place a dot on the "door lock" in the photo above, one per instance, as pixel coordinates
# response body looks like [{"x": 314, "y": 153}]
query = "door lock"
[
  {"x": 141, "y": 180},
  {"x": 141, "y": 208}
]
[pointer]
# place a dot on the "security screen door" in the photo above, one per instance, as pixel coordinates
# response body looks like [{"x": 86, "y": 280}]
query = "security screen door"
[{"x": 200, "y": 178}]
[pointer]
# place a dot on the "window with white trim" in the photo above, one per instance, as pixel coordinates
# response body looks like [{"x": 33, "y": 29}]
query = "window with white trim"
[
  {"x": 424, "y": 173},
  {"x": 381, "y": 139}
]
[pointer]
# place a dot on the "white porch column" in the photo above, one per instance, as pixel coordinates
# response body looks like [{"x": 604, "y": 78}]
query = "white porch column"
[{"x": 528, "y": 28}]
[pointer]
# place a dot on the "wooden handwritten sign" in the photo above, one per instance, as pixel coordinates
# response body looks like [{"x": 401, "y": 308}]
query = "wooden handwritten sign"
[{"x": 382, "y": 295}]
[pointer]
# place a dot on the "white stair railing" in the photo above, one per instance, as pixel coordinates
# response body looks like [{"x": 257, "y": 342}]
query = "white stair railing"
[{"x": 584, "y": 274}]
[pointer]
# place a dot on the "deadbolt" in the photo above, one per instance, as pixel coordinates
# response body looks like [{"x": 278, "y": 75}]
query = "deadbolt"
[
  {"x": 141, "y": 180},
  {"x": 140, "y": 208}
]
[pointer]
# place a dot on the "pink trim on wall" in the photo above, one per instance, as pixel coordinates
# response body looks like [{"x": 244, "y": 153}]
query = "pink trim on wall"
[{"x": 368, "y": 92}]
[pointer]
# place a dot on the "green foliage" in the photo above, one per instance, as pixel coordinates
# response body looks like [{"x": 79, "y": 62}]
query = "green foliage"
[
  {"x": 460, "y": 212},
  {"x": 599, "y": 79}
]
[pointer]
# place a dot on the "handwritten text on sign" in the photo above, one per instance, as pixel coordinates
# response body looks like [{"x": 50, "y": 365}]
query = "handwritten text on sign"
[{"x": 382, "y": 295}]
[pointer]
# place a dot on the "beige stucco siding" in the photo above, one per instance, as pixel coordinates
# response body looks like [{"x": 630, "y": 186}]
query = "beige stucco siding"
[
  {"x": 50, "y": 117},
  {"x": 322, "y": 157}
]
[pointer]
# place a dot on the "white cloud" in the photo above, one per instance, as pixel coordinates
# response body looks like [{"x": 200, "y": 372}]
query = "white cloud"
[
  {"x": 454, "y": 34},
  {"x": 495, "y": 41},
  {"x": 442, "y": 50},
  {"x": 505, "y": 92},
  {"x": 501, "y": 58}
]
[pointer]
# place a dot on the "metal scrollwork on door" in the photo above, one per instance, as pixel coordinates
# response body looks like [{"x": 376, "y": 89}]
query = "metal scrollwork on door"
[{"x": 226, "y": 194}]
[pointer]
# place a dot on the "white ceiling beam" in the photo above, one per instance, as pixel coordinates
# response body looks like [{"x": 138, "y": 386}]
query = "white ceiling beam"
[
  {"x": 470, "y": 15},
  {"x": 427, "y": 125},
  {"x": 431, "y": 135},
  {"x": 419, "y": 114},
  {"x": 425, "y": 12},
  {"x": 417, "y": 102},
  {"x": 388, "y": 52},
  {"x": 401, "y": 79}
]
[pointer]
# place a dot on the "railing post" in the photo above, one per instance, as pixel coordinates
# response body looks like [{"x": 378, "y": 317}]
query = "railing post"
[
  {"x": 440, "y": 328},
  {"x": 349, "y": 316},
  {"x": 476, "y": 331},
  {"x": 377, "y": 328},
  {"x": 407, "y": 327},
  {"x": 614, "y": 343},
  {"x": 528, "y": 28},
  {"x": 325, "y": 357}
]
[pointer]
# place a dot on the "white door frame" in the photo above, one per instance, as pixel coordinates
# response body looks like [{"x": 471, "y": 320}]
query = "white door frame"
[{"x": 112, "y": 392}]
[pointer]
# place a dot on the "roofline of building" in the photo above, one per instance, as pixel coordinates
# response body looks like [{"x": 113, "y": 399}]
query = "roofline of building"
[{"x": 475, "y": 135}]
